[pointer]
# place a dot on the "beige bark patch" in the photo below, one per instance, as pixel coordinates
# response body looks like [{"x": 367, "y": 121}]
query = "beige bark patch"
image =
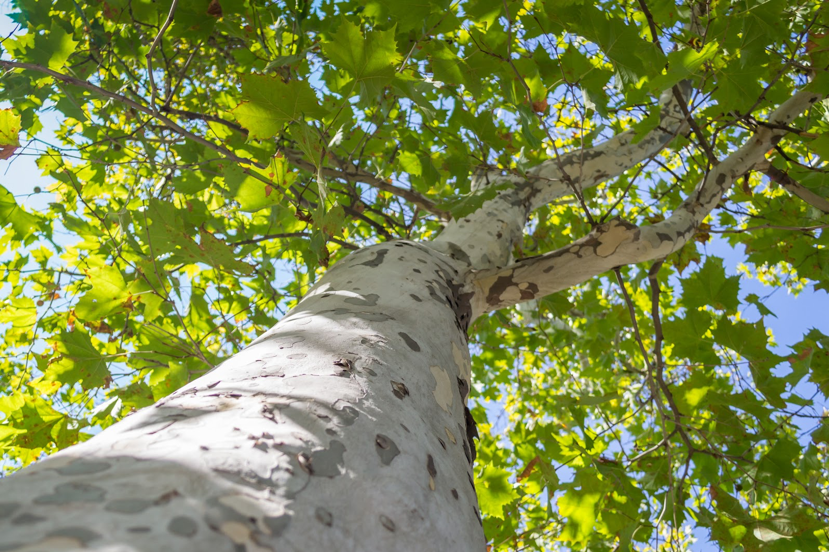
[
  {"x": 450, "y": 436},
  {"x": 443, "y": 387},
  {"x": 51, "y": 544},
  {"x": 464, "y": 369},
  {"x": 610, "y": 241},
  {"x": 431, "y": 483},
  {"x": 236, "y": 531},
  {"x": 240, "y": 533}
]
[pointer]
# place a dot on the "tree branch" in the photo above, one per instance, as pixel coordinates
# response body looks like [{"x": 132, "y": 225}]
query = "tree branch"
[
  {"x": 794, "y": 187},
  {"x": 133, "y": 104},
  {"x": 352, "y": 173},
  {"x": 618, "y": 242},
  {"x": 613, "y": 157}
]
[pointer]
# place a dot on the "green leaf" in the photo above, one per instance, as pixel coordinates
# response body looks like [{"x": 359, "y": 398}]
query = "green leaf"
[
  {"x": 371, "y": 60},
  {"x": 755, "y": 300},
  {"x": 580, "y": 509},
  {"x": 9, "y": 132},
  {"x": 494, "y": 491},
  {"x": 12, "y": 215},
  {"x": 710, "y": 286},
  {"x": 78, "y": 362},
  {"x": 21, "y": 313},
  {"x": 106, "y": 296},
  {"x": 751, "y": 342},
  {"x": 255, "y": 189},
  {"x": 269, "y": 103},
  {"x": 682, "y": 64},
  {"x": 54, "y": 48},
  {"x": 218, "y": 254}
]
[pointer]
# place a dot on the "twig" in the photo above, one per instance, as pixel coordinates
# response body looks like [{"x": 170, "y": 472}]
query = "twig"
[{"x": 153, "y": 46}]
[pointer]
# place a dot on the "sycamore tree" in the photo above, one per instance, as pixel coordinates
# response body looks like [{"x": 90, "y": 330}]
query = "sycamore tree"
[{"x": 412, "y": 275}]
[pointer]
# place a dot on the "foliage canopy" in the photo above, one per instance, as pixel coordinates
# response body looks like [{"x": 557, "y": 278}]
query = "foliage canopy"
[{"x": 213, "y": 157}]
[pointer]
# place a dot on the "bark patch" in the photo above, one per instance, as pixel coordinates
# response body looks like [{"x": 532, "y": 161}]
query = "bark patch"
[
  {"x": 409, "y": 341},
  {"x": 387, "y": 523},
  {"x": 443, "y": 389},
  {"x": 386, "y": 449},
  {"x": 277, "y": 525},
  {"x": 327, "y": 462},
  {"x": 27, "y": 519},
  {"x": 67, "y": 493},
  {"x": 128, "y": 506},
  {"x": 182, "y": 526},
  {"x": 379, "y": 257},
  {"x": 369, "y": 300},
  {"x": 430, "y": 466},
  {"x": 81, "y": 467},
  {"x": 324, "y": 516},
  {"x": 399, "y": 389},
  {"x": 8, "y": 508},
  {"x": 82, "y": 534}
]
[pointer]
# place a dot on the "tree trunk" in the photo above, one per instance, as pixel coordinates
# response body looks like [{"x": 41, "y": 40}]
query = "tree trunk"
[{"x": 342, "y": 428}]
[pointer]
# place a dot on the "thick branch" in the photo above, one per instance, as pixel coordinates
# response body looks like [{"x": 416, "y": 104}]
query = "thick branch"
[
  {"x": 617, "y": 242},
  {"x": 613, "y": 157},
  {"x": 499, "y": 223}
]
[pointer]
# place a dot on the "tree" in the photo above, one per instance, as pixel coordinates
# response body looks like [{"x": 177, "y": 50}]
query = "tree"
[{"x": 423, "y": 201}]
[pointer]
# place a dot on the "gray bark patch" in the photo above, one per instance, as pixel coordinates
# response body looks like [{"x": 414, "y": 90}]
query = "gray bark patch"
[
  {"x": 67, "y": 493},
  {"x": 415, "y": 297},
  {"x": 455, "y": 494},
  {"x": 128, "y": 505},
  {"x": 347, "y": 415},
  {"x": 83, "y": 467},
  {"x": 387, "y": 523},
  {"x": 277, "y": 525},
  {"x": 409, "y": 341},
  {"x": 430, "y": 466},
  {"x": 324, "y": 516},
  {"x": 370, "y": 300},
  {"x": 81, "y": 533},
  {"x": 183, "y": 526},
  {"x": 139, "y": 529},
  {"x": 27, "y": 519},
  {"x": 8, "y": 508},
  {"x": 386, "y": 449},
  {"x": 377, "y": 260},
  {"x": 327, "y": 462}
]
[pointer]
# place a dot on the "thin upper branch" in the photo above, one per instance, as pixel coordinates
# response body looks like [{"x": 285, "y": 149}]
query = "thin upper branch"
[
  {"x": 618, "y": 242},
  {"x": 795, "y": 187},
  {"x": 352, "y": 173},
  {"x": 169, "y": 123}
]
